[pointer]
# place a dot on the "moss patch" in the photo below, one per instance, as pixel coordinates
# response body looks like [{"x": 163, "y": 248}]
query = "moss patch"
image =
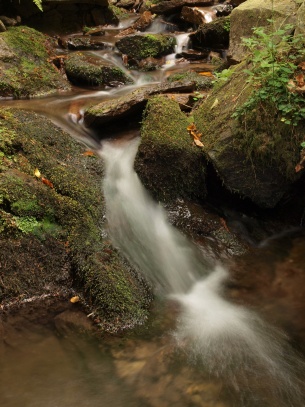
[
  {"x": 167, "y": 161},
  {"x": 28, "y": 72}
]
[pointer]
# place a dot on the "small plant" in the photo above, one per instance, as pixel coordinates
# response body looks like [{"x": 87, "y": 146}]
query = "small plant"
[
  {"x": 38, "y": 4},
  {"x": 277, "y": 60}
]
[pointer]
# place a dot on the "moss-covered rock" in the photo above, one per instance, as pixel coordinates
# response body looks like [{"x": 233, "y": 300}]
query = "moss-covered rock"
[
  {"x": 51, "y": 220},
  {"x": 168, "y": 163},
  {"x": 25, "y": 67},
  {"x": 142, "y": 46},
  {"x": 255, "y": 157},
  {"x": 90, "y": 70}
]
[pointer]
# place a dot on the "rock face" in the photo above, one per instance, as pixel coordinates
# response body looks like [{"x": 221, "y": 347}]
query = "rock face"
[
  {"x": 51, "y": 209},
  {"x": 146, "y": 45},
  {"x": 256, "y": 159},
  {"x": 25, "y": 68},
  {"x": 168, "y": 163},
  {"x": 83, "y": 69},
  {"x": 255, "y": 13}
]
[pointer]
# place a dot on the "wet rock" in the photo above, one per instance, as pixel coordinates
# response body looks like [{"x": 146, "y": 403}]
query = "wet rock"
[
  {"x": 2, "y": 27},
  {"x": 213, "y": 35},
  {"x": 90, "y": 70},
  {"x": 140, "y": 24},
  {"x": 222, "y": 10},
  {"x": 8, "y": 22},
  {"x": 125, "y": 3},
  {"x": 194, "y": 55},
  {"x": 173, "y": 6},
  {"x": 70, "y": 322},
  {"x": 94, "y": 31},
  {"x": 26, "y": 67},
  {"x": 81, "y": 43},
  {"x": 242, "y": 167},
  {"x": 146, "y": 45},
  {"x": 256, "y": 13},
  {"x": 168, "y": 163},
  {"x": 133, "y": 103},
  {"x": 193, "y": 15}
]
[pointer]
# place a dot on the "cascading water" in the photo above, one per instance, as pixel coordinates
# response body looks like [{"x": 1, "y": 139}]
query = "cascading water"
[{"x": 226, "y": 340}]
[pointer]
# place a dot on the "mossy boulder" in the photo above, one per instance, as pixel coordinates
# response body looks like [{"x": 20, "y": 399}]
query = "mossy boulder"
[
  {"x": 89, "y": 70},
  {"x": 51, "y": 222},
  {"x": 168, "y": 163},
  {"x": 25, "y": 67},
  {"x": 256, "y": 13},
  {"x": 140, "y": 46},
  {"x": 254, "y": 157}
]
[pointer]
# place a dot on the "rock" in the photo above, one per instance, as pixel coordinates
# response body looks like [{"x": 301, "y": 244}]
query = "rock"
[
  {"x": 194, "y": 15},
  {"x": 25, "y": 67},
  {"x": 51, "y": 236},
  {"x": 241, "y": 156},
  {"x": 211, "y": 35},
  {"x": 222, "y": 10},
  {"x": 256, "y": 13},
  {"x": 142, "y": 46},
  {"x": 173, "y": 6},
  {"x": 72, "y": 322},
  {"x": 168, "y": 163},
  {"x": 82, "y": 43},
  {"x": 94, "y": 31},
  {"x": 140, "y": 24},
  {"x": 2, "y": 27},
  {"x": 300, "y": 24},
  {"x": 8, "y": 22},
  {"x": 90, "y": 70},
  {"x": 133, "y": 103},
  {"x": 128, "y": 4}
]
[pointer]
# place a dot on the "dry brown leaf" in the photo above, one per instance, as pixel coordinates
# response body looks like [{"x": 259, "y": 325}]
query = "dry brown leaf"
[
  {"x": 302, "y": 65},
  {"x": 298, "y": 167},
  {"x": 88, "y": 153},
  {"x": 300, "y": 80},
  {"x": 194, "y": 133},
  {"x": 208, "y": 74},
  {"x": 47, "y": 182}
]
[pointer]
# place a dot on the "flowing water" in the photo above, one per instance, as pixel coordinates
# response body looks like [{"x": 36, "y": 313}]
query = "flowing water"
[{"x": 200, "y": 348}]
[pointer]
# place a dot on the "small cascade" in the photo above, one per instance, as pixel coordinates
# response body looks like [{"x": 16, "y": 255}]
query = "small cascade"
[{"x": 226, "y": 340}]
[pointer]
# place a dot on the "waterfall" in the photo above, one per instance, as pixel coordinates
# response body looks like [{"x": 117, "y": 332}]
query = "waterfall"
[{"x": 226, "y": 340}]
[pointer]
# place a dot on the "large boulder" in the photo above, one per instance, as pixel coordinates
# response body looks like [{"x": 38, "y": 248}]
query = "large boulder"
[
  {"x": 51, "y": 214},
  {"x": 256, "y": 13},
  {"x": 214, "y": 34},
  {"x": 168, "y": 163},
  {"x": 25, "y": 67},
  {"x": 255, "y": 157},
  {"x": 89, "y": 70}
]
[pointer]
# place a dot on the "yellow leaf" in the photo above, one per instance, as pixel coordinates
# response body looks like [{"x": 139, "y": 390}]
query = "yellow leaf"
[
  {"x": 74, "y": 299},
  {"x": 198, "y": 142},
  {"x": 209, "y": 74},
  {"x": 37, "y": 173},
  {"x": 88, "y": 153},
  {"x": 216, "y": 102}
]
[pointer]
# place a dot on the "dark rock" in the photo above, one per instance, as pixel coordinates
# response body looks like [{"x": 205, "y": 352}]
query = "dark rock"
[
  {"x": 193, "y": 15},
  {"x": 213, "y": 35},
  {"x": 82, "y": 43},
  {"x": 8, "y": 22},
  {"x": 223, "y": 10},
  {"x": 173, "y": 6},
  {"x": 140, "y": 24}
]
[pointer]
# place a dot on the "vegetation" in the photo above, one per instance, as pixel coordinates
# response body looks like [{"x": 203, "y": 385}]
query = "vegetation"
[{"x": 277, "y": 63}]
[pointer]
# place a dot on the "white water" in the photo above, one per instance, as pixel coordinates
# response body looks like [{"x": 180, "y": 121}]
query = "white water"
[{"x": 226, "y": 340}]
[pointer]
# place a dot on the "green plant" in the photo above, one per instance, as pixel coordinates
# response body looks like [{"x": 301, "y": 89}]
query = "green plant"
[
  {"x": 275, "y": 65},
  {"x": 38, "y": 4}
]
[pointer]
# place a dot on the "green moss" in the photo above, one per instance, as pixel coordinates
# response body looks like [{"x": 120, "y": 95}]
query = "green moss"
[
  {"x": 201, "y": 82},
  {"x": 167, "y": 161},
  {"x": 29, "y": 72}
]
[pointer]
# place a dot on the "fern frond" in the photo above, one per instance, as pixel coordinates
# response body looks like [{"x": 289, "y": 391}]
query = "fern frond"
[{"x": 38, "y": 4}]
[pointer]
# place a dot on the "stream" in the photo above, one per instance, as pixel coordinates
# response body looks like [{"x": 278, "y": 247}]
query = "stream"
[{"x": 208, "y": 343}]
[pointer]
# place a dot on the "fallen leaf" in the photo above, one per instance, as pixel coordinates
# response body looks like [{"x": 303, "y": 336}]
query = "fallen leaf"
[
  {"x": 302, "y": 65},
  {"x": 88, "y": 153},
  {"x": 194, "y": 133},
  {"x": 74, "y": 299},
  {"x": 300, "y": 80},
  {"x": 47, "y": 182},
  {"x": 298, "y": 167},
  {"x": 37, "y": 173},
  {"x": 216, "y": 102},
  {"x": 198, "y": 142},
  {"x": 224, "y": 224},
  {"x": 208, "y": 74}
]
